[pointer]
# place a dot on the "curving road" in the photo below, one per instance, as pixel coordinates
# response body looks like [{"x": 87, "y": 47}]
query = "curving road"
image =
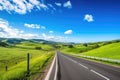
[{"x": 65, "y": 67}]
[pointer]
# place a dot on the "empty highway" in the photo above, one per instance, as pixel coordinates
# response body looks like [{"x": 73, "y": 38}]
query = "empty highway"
[{"x": 65, "y": 67}]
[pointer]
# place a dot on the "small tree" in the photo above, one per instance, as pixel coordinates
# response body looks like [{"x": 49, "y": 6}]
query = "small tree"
[
  {"x": 96, "y": 46},
  {"x": 38, "y": 48},
  {"x": 70, "y": 46},
  {"x": 85, "y": 44},
  {"x": 3, "y": 44}
]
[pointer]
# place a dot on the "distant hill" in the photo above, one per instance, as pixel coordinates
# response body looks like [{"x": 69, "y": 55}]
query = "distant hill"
[{"x": 18, "y": 40}]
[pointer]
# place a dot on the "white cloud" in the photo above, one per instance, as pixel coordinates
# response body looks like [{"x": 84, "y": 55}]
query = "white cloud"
[
  {"x": 67, "y": 4},
  {"x": 58, "y": 4},
  {"x": 7, "y": 31},
  {"x": 21, "y": 6},
  {"x": 43, "y": 27},
  {"x": 46, "y": 37},
  {"x": 54, "y": 38},
  {"x": 68, "y": 32},
  {"x": 32, "y": 25},
  {"x": 50, "y": 5},
  {"x": 51, "y": 32},
  {"x": 88, "y": 18},
  {"x": 24, "y": 6}
]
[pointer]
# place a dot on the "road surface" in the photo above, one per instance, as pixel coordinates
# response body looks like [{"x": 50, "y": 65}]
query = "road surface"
[{"x": 66, "y": 67}]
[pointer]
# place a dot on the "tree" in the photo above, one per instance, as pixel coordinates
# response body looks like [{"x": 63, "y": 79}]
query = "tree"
[
  {"x": 96, "y": 46},
  {"x": 85, "y": 44},
  {"x": 3, "y": 44},
  {"x": 38, "y": 48},
  {"x": 70, "y": 46}
]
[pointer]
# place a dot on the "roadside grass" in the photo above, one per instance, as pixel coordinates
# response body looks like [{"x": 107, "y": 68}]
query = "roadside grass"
[
  {"x": 18, "y": 72},
  {"x": 108, "y": 51},
  {"x": 77, "y": 49},
  {"x": 15, "y": 59},
  {"x": 111, "y": 51}
]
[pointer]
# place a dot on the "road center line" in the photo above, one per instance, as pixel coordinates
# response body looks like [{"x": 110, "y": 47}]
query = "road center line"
[
  {"x": 83, "y": 66},
  {"x": 75, "y": 62},
  {"x": 99, "y": 74}
]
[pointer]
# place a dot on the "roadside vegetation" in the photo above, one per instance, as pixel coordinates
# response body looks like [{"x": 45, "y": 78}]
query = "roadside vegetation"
[
  {"x": 108, "y": 51},
  {"x": 13, "y": 59},
  {"x": 105, "y": 51},
  {"x": 13, "y": 54}
]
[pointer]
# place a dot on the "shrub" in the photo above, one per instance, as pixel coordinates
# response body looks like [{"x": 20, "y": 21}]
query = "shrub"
[
  {"x": 85, "y": 44},
  {"x": 38, "y": 48},
  {"x": 3, "y": 44},
  {"x": 70, "y": 46}
]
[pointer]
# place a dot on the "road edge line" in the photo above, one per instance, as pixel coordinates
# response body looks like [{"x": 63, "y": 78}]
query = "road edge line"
[
  {"x": 56, "y": 69},
  {"x": 50, "y": 70}
]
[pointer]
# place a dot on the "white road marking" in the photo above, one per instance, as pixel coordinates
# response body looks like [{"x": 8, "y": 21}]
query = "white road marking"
[
  {"x": 75, "y": 62},
  {"x": 83, "y": 66},
  {"x": 50, "y": 70},
  {"x": 56, "y": 69},
  {"x": 100, "y": 74}
]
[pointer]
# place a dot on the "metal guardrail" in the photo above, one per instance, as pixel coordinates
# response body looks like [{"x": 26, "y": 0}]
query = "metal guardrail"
[{"x": 98, "y": 58}]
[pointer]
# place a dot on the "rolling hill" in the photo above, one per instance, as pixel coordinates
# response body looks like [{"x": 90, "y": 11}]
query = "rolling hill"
[{"x": 108, "y": 51}]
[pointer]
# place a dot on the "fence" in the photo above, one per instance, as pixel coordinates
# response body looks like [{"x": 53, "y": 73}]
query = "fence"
[{"x": 98, "y": 58}]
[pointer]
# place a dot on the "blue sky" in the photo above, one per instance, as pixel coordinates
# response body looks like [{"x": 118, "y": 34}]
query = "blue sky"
[{"x": 60, "y": 20}]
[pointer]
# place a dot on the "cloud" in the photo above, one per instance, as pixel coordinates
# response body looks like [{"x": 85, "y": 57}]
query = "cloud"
[
  {"x": 21, "y": 6},
  {"x": 58, "y": 4},
  {"x": 46, "y": 37},
  {"x": 51, "y": 32},
  {"x": 68, "y": 32},
  {"x": 32, "y": 26},
  {"x": 54, "y": 38},
  {"x": 24, "y": 6},
  {"x": 88, "y": 18},
  {"x": 43, "y": 27},
  {"x": 51, "y": 6},
  {"x": 8, "y": 31},
  {"x": 67, "y": 4}
]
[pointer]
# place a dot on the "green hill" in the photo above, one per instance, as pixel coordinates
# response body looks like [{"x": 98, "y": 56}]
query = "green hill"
[{"x": 108, "y": 51}]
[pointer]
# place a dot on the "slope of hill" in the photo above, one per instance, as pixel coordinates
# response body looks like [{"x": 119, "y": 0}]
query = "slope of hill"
[{"x": 107, "y": 51}]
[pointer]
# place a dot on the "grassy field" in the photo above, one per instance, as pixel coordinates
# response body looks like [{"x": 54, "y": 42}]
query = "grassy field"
[
  {"x": 14, "y": 55},
  {"x": 108, "y": 51},
  {"x": 77, "y": 48},
  {"x": 101, "y": 50},
  {"x": 15, "y": 59}
]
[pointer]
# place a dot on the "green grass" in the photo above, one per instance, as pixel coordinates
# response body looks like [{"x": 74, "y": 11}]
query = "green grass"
[
  {"x": 77, "y": 49},
  {"x": 32, "y": 45},
  {"x": 15, "y": 59},
  {"x": 108, "y": 51}
]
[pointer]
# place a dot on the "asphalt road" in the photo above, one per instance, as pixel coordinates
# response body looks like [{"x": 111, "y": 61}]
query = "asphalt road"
[{"x": 67, "y": 67}]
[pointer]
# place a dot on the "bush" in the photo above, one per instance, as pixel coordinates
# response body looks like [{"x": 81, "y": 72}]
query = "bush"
[
  {"x": 96, "y": 46},
  {"x": 3, "y": 44},
  {"x": 85, "y": 44},
  {"x": 70, "y": 46},
  {"x": 38, "y": 48}
]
